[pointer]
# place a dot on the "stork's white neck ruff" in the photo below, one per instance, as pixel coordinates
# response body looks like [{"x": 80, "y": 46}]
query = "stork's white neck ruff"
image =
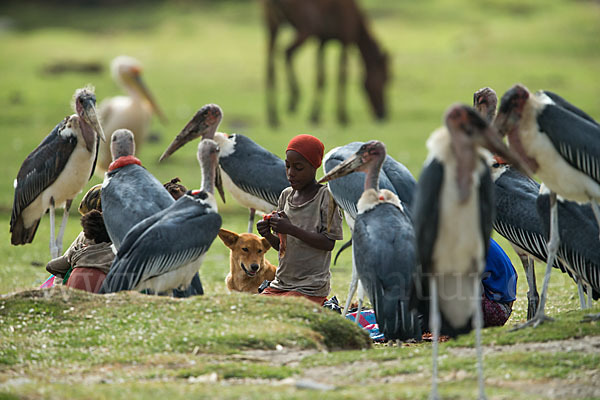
[
  {"x": 226, "y": 144},
  {"x": 372, "y": 198}
]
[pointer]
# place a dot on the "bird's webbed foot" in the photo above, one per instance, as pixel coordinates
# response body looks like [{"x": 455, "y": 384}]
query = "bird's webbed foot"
[
  {"x": 591, "y": 317},
  {"x": 534, "y": 322}
]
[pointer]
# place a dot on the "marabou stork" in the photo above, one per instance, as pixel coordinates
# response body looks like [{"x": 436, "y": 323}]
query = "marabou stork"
[
  {"x": 383, "y": 244},
  {"x": 455, "y": 191},
  {"x": 133, "y": 112},
  {"x": 517, "y": 220},
  {"x": 166, "y": 250},
  {"x": 578, "y": 241},
  {"x": 517, "y": 217},
  {"x": 561, "y": 144},
  {"x": 130, "y": 193},
  {"x": 56, "y": 171},
  {"x": 254, "y": 176},
  {"x": 347, "y": 190}
]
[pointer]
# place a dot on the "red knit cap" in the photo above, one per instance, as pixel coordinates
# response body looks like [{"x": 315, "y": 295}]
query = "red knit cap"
[{"x": 309, "y": 147}]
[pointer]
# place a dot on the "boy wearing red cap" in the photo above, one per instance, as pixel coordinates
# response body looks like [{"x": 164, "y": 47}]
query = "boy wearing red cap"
[{"x": 302, "y": 215}]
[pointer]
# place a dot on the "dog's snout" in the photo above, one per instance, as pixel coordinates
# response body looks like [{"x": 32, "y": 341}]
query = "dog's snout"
[{"x": 254, "y": 267}]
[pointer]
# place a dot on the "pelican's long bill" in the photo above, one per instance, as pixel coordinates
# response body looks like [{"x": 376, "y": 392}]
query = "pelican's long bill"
[
  {"x": 349, "y": 165},
  {"x": 204, "y": 123},
  {"x": 141, "y": 88}
]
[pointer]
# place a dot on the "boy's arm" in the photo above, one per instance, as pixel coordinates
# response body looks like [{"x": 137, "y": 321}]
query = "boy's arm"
[{"x": 281, "y": 224}]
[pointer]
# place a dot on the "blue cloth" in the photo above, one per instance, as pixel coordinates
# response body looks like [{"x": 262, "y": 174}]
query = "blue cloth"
[
  {"x": 367, "y": 321},
  {"x": 499, "y": 277}
]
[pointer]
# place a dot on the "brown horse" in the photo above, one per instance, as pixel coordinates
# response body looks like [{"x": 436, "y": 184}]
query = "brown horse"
[{"x": 325, "y": 20}]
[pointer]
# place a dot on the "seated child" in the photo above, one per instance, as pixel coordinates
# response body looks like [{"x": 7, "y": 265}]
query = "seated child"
[
  {"x": 302, "y": 215},
  {"x": 86, "y": 262},
  {"x": 499, "y": 281}
]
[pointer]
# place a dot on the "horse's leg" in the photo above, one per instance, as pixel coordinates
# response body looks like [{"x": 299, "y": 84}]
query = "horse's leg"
[
  {"x": 342, "y": 115},
  {"x": 292, "y": 81},
  {"x": 315, "y": 115},
  {"x": 271, "y": 100}
]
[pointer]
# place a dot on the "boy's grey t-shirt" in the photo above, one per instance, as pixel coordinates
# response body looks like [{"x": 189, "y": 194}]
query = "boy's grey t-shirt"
[{"x": 304, "y": 268}]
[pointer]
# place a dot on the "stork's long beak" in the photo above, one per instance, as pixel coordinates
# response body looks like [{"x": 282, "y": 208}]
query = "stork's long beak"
[
  {"x": 203, "y": 124},
  {"x": 91, "y": 118},
  {"x": 348, "y": 166},
  {"x": 219, "y": 183},
  {"x": 141, "y": 87},
  {"x": 493, "y": 142}
]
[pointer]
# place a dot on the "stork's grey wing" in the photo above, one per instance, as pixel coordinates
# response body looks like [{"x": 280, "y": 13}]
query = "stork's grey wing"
[
  {"x": 517, "y": 217},
  {"x": 347, "y": 190},
  {"x": 402, "y": 180},
  {"x": 41, "y": 168},
  {"x": 426, "y": 211},
  {"x": 172, "y": 242},
  {"x": 576, "y": 139},
  {"x": 568, "y": 106},
  {"x": 487, "y": 205},
  {"x": 131, "y": 194},
  {"x": 255, "y": 170},
  {"x": 578, "y": 239}
]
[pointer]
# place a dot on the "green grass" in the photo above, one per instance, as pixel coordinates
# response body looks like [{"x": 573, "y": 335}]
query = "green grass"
[{"x": 72, "y": 345}]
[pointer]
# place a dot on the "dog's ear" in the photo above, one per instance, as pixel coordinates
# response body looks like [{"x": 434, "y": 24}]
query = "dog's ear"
[
  {"x": 228, "y": 237},
  {"x": 265, "y": 244}
]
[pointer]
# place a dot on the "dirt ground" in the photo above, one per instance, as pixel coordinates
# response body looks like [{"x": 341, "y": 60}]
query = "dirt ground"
[{"x": 327, "y": 377}]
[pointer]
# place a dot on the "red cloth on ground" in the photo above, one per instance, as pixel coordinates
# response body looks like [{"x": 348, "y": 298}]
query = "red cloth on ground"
[
  {"x": 88, "y": 279},
  {"x": 495, "y": 313},
  {"x": 309, "y": 147},
  {"x": 270, "y": 291}
]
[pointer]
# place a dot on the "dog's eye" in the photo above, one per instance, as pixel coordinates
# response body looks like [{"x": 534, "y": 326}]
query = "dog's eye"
[
  {"x": 245, "y": 249},
  {"x": 259, "y": 250}
]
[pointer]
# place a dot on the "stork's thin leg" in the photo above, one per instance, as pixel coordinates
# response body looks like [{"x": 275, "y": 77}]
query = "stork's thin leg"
[
  {"x": 553, "y": 244},
  {"x": 63, "y": 226},
  {"x": 590, "y": 297},
  {"x": 596, "y": 211},
  {"x": 251, "y": 220},
  {"x": 361, "y": 297},
  {"x": 434, "y": 325},
  {"x": 582, "y": 302},
  {"x": 478, "y": 324},
  {"x": 533, "y": 297},
  {"x": 352, "y": 288},
  {"x": 53, "y": 249}
]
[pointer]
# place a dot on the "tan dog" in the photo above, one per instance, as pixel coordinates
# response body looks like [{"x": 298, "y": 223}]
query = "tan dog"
[{"x": 248, "y": 266}]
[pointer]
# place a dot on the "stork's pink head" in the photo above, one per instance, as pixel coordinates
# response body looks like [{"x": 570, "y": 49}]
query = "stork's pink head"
[
  {"x": 204, "y": 123},
  {"x": 511, "y": 109}
]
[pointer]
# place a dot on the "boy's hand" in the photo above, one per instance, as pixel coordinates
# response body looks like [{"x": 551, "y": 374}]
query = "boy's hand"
[
  {"x": 263, "y": 227},
  {"x": 281, "y": 223}
]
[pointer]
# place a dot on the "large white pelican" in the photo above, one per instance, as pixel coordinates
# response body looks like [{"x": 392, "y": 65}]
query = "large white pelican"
[{"x": 133, "y": 112}]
